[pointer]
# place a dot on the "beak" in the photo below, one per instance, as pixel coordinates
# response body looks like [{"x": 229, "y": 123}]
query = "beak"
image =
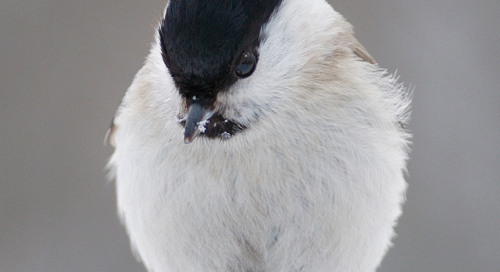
[{"x": 196, "y": 114}]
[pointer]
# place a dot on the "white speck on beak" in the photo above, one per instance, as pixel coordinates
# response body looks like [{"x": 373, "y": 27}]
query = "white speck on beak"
[{"x": 201, "y": 126}]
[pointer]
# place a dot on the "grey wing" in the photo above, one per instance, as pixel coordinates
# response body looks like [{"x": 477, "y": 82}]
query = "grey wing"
[
  {"x": 361, "y": 52},
  {"x": 109, "y": 137}
]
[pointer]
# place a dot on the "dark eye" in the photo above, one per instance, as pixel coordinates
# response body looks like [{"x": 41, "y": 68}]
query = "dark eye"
[{"x": 247, "y": 65}]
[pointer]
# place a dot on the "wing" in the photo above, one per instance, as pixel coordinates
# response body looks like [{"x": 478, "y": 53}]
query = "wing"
[
  {"x": 361, "y": 52},
  {"x": 109, "y": 137}
]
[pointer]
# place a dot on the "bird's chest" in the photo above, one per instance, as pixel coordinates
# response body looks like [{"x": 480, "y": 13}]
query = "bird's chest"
[
  {"x": 234, "y": 194},
  {"x": 225, "y": 202},
  {"x": 275, "y": 204}
]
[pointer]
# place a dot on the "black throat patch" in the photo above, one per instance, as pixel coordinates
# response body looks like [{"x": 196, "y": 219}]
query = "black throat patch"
[
  {"x": 202, "y": 43},
  {"x": 217, "y": 127}
]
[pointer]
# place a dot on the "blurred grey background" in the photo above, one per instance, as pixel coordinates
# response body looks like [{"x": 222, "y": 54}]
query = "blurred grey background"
[{"x": 64, "y": 66}]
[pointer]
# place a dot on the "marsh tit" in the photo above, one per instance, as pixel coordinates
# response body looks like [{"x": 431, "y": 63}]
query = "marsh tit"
[{"x": 260, "y": 135}]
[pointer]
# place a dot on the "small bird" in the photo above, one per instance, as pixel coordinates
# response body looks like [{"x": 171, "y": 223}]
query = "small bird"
[{"x": 260, "y": 135}]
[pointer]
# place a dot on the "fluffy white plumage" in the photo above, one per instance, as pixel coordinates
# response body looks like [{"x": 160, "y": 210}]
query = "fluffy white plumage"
[{"x": 315, "y": 183}]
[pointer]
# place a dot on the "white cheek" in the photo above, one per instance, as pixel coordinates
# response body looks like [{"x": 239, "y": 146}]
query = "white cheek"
[
  {"x": 269, "y": 87},
  {"x": 252, "y": 98}
]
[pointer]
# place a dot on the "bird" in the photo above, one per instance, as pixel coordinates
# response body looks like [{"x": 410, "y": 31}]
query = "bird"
[{"x": 260, "y": 135}]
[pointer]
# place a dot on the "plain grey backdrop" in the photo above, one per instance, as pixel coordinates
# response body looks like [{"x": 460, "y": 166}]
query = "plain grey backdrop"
[{"x": 64, "y": 66}]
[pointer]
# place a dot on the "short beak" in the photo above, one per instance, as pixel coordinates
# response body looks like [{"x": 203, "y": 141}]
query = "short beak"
[{"x": 196, "y": 114}]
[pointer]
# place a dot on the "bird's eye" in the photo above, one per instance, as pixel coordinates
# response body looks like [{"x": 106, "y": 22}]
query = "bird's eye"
[{"x": 247, "y": 65}]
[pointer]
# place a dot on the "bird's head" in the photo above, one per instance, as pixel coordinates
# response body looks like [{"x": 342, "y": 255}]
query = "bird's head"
[
  {"x": 230, "y": 59},
  {"x": 208, "y": 46}
]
